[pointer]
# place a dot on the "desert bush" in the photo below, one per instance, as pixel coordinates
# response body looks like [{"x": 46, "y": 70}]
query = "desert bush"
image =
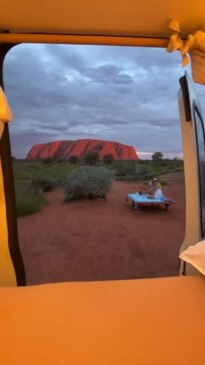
[
  {"x": 27, "y": 202},
  {"x": 134, "y": 171},
  {"x": 74, "y": 160},
  {"x": 56, "y": 173},
  {"x": 143, "y": 173},
  {"x": 145, "y": 170},
  {"x": 124, "y": 168},
  {"x": 91, "y": 158},
  {"x": 157, "y": 156},
  {"x": 120, "y": 169},
  {"x": 60, "y": 160},
  {"x": 177, "y": 169},
  {"x": 48, "y": 160},
  {"x": 39, "y": 184},
  {"x": 108, "y": 159},
  {"x": 88, "y": 182}
]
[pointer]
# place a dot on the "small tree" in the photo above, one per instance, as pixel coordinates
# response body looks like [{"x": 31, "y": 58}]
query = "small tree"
[
  {"x": 157, "y": 156},
  {"x": 74, "y": 160},
  {"x": 91, "y": 158},
  {"x": 108, "y": 159}
]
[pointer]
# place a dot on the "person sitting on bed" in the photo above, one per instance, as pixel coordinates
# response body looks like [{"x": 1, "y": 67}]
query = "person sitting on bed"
[
  {"x": 152, "y": 187},
  {"x": 157, "y": 193}
]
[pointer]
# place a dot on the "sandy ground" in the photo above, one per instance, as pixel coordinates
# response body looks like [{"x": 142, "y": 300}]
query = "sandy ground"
[{"x": 102, "y": 240}]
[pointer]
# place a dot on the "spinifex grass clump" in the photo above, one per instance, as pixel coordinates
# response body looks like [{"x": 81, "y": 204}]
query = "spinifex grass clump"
[{"x": 88, "y": 182}]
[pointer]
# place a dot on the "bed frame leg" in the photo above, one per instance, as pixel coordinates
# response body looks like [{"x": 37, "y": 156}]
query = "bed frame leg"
[{"x": 135, "y": 206}]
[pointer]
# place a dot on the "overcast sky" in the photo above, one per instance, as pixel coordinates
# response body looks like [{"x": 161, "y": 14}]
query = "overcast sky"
[{"x": 66, "y": 92}]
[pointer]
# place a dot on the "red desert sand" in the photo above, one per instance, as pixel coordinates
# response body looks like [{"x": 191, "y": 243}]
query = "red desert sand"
[{"x": 102, "y": 239}]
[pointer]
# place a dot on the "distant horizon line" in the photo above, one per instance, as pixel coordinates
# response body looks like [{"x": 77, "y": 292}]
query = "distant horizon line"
[{"x": 148, "y": 155}]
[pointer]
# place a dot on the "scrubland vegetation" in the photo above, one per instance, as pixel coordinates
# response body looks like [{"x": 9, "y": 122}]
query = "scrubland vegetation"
[
  {"x": 87, "y": 178},
  {"x": 33, "y": 178}
]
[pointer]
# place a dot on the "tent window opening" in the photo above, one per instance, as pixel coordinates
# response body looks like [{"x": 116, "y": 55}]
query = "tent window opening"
[{"x": 87, "y": 108}]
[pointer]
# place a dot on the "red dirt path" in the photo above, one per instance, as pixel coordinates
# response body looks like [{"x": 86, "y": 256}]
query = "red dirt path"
[{"x": 102, "y": 240}]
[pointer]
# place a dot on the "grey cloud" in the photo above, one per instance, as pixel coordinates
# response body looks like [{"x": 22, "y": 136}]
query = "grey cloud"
[
  {"x": 163, "y": 122},
  {"x": 123, "y": 94},
  {"x": 108, "y": 74},
  {"x": 64, "y": 56},
  {"x": 148, "y": 58}
]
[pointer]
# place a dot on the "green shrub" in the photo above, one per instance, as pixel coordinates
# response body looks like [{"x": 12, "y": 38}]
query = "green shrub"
[
  {"x": 133, "y": 171},
  {"x": 124, "y": 168},
  {"x": 74, "y": 160},
  {"x": 88, "y": 182},
  {"x": 108, "y": 159},
  {"x": 41, "y": 184},
  {"x": 48, "y": 160},
  {"x": 120, "y": 170},
  {"x": 91, "y": 158},
  {"x": 56, "y": 173},
  {"x": 143, "y": 173},
  {"x": 178, "y": 168},
  {"x": 27, "y": 202}
]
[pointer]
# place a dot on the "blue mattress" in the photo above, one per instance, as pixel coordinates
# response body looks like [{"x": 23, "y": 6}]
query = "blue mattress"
[{"x": 141, "y": 198}]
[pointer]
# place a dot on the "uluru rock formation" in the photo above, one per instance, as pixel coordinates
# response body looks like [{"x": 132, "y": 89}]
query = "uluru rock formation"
[{"x": 65, "y": 149}]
